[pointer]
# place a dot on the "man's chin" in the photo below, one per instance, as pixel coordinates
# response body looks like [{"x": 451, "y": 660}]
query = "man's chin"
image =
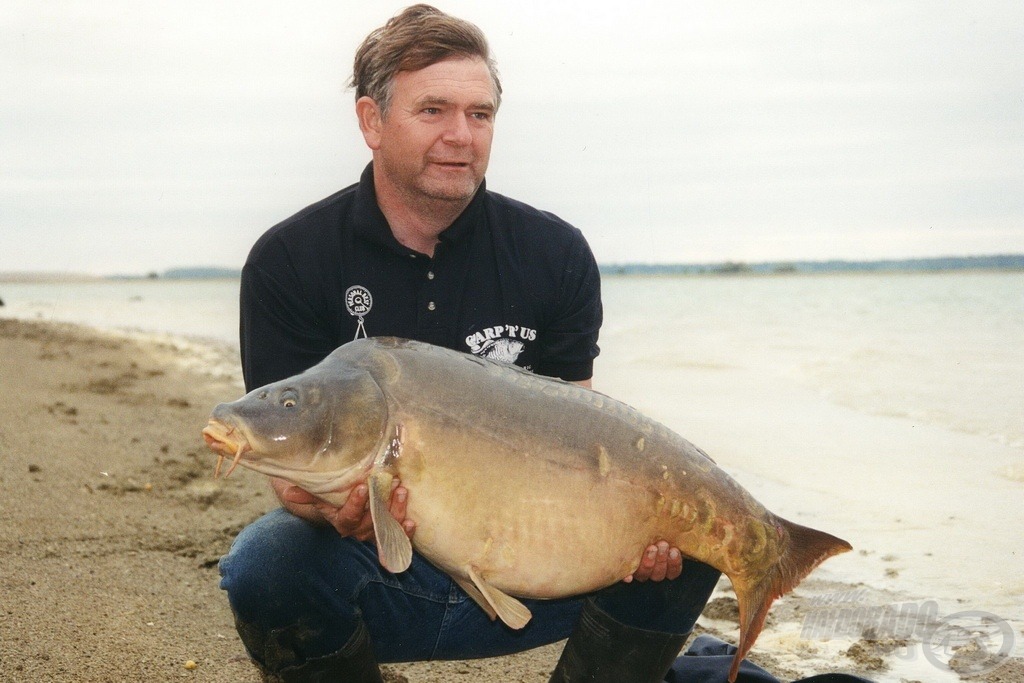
[{"x": 449, "y": 192}]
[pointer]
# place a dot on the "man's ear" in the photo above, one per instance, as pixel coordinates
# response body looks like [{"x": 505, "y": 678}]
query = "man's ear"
[{"x": 370, "y": 121}]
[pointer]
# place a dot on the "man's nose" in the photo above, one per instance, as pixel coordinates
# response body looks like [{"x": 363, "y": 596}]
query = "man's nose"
[{"x": 458, "y": 132}]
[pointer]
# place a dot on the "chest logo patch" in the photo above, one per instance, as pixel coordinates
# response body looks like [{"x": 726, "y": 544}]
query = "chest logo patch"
[
  {"x": 502, "y": 343},
  {"x": 502, "y": 350},
  {"x": 358, "y": 301}
]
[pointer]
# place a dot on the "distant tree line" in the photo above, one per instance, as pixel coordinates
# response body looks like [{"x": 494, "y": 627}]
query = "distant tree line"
[{"x": 949, "y": 263}]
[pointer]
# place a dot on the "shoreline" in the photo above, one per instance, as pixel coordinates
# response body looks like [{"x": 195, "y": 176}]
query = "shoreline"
[
  {"x": 980, "y": 263},
  {"x": 113, "y": 526}
]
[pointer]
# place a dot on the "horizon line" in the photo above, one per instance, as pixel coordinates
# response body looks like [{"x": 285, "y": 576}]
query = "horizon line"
[{"x": 1012, "y": 261}]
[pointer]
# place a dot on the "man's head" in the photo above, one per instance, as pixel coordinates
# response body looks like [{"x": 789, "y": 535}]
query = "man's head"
[
  {"x": 416, "y": 38},
  {"x": 426, "y": 96}
]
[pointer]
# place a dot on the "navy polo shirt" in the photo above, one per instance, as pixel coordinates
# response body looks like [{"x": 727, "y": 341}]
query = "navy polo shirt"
[{"x": 506, "y": 281}]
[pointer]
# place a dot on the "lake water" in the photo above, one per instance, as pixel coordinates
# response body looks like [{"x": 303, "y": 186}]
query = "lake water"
[
  {"x": 887, "y": 409},
  {"x": 943, "y": 349}
]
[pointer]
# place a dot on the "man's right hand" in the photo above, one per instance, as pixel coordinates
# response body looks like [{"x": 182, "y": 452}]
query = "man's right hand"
[{"x": 352, "y": 518}]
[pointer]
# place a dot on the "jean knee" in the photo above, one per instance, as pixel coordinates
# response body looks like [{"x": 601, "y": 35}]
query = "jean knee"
[
  {"x": 270, "y": 566},
  {"x": 292, "y": 587}
]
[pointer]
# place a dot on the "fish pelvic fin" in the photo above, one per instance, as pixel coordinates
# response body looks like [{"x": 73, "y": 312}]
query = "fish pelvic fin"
[
  {"x": 478, "y": 597},
  {"x": 807, "y": 548},
  {"x": 393, "y": 546},
  {"x": 514, "y": 613}
]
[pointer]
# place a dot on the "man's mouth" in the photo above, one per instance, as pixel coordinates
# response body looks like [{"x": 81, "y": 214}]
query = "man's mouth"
[{"x": 452, "y": 164}]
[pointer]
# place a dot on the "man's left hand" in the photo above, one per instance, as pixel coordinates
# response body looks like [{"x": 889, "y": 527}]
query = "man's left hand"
[{"x": 659, "y": 562}]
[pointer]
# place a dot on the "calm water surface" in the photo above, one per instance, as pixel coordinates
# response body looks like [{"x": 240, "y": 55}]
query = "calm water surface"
[{"x": 939, "y": 348}]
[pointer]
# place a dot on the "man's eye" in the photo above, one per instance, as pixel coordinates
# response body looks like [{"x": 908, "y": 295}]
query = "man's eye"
[
  {"x": 431, "y": 110},
  {"x": 481, "y": 116}
]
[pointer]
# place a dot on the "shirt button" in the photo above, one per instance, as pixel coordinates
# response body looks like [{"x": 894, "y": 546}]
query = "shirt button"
[
  {"x": 431, "y": 306},
  {"x": 430, "y": 275}
]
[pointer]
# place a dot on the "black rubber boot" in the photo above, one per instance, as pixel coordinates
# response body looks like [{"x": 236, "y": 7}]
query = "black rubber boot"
[
  {"x": 353, "y": 663},
  {"x": 602, "y": 650}
]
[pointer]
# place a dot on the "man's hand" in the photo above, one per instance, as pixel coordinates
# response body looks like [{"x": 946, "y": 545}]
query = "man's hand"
[
  {"x": 352, "y": 518},
  {"x": 658, "y": 563}
]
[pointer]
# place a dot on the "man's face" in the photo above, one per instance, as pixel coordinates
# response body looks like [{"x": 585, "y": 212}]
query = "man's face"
[{"x": 435, "y": 140}]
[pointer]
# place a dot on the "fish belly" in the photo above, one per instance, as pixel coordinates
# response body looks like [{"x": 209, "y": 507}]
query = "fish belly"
[{"x": 528, "y": 524}]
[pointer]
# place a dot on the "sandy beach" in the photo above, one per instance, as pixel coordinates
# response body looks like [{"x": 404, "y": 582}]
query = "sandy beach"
[{"x": 112, "y": 526}]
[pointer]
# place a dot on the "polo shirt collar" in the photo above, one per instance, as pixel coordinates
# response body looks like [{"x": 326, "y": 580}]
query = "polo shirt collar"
[{"x": 369, "y": 222}]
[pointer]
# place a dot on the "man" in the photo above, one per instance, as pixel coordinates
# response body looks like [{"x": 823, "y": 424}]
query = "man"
[{"x": 420, "y": 249}]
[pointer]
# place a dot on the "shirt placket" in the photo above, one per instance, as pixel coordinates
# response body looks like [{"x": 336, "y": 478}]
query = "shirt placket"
[{"x": 432, "y": 309}]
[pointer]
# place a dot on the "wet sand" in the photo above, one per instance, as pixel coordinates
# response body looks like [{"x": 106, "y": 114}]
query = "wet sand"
[{"x": 111, "y": 526}]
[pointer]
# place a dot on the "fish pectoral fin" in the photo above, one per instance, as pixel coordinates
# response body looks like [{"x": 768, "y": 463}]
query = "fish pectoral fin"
[
  {"x": 393, "y": 547},
  {"x": 514, "y": 613},
  {"x": 477, "y": 596}
]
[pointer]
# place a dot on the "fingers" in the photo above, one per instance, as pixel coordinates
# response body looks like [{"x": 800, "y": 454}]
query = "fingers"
[
  {"x": 652, "y": 565},
  {"x": 410, "y": 528},
  {"x": 675, "y": 564},
  {"x": 353, "y": 517},
  {"x": 293, "y": 494},
  {"x": 296, "y": 501},
  {"x": 659, "y": 562},
  {"x": 399, "y": 496},
  {"x": 399, "y": 501}
]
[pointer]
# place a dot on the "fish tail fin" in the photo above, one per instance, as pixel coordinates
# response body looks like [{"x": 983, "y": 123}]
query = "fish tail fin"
[{"x": 807, "y": 548}]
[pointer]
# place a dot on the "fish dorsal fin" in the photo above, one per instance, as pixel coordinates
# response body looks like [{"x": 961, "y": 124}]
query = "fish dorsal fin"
[
  {"x": 477, "y": 596},
  {"x": 514, "y": 613},
  {"x": 393, "y": 547}
]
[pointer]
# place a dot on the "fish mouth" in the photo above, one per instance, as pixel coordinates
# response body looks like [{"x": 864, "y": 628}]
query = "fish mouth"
[{"x": 227, "y": 442}]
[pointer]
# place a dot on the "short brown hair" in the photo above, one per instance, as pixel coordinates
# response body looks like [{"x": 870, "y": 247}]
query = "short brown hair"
[{"x": 414, "y": 39}]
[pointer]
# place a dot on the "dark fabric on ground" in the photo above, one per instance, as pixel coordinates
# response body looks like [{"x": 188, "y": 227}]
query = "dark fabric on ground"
[{"x": 708, "y": 659}]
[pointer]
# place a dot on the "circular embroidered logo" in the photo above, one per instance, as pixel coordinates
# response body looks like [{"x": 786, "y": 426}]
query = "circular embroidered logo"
[{"x": 358, "y": 300}]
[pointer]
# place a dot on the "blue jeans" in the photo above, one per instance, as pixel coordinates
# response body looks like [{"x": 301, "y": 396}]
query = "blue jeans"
[{"x": 298, "y": 592}]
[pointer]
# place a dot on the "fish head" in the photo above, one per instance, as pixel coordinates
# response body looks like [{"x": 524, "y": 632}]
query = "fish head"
[{"x": 318, "y": 430}]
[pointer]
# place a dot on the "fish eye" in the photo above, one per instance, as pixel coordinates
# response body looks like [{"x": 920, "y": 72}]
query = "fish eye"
[{"x": 289, "y": 399}]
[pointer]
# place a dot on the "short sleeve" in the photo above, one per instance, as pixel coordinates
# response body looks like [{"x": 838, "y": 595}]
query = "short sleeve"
[{"x": 569, "y": 339}]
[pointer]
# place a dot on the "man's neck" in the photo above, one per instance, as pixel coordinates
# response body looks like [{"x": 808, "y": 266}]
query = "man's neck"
[{"x": 417, "y": 222}]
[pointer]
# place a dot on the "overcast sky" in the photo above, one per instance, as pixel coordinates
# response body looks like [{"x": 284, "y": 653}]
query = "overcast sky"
[{"x": 137, "y": 136}]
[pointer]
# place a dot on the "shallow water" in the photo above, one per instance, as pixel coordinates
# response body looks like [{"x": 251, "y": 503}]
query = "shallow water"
[{"x": 940, "y": 349}]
